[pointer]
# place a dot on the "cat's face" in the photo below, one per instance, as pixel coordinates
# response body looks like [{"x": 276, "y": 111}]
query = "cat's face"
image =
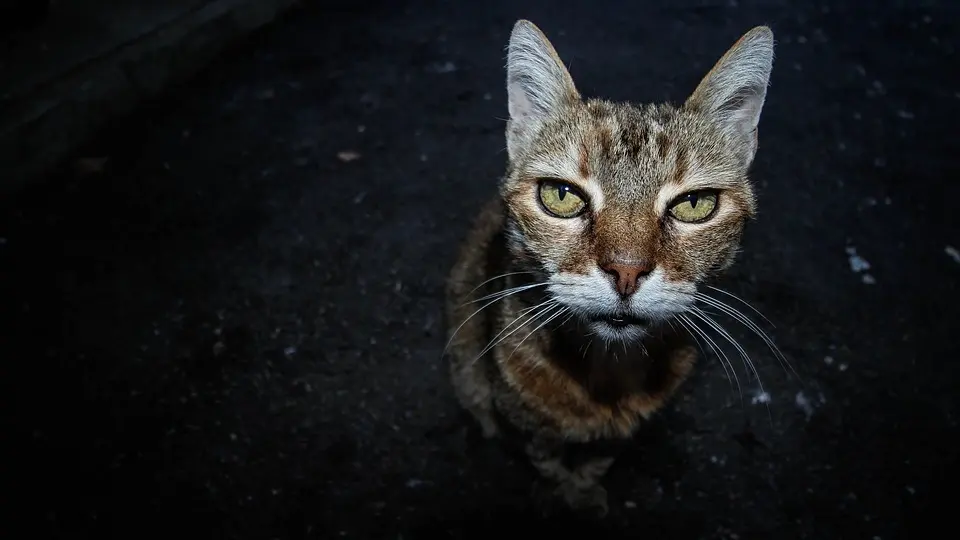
[{"x": 625, "y": 209}]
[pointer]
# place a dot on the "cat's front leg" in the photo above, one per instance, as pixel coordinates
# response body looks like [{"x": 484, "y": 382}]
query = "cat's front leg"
[
  {"x": 583, "y": 491},
  {"x": 578, "y": 490},
  {"x": 546, "y": 456}
]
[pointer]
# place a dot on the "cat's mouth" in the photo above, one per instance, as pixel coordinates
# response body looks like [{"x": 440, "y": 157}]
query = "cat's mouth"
[{"x": 621, "y": 320}]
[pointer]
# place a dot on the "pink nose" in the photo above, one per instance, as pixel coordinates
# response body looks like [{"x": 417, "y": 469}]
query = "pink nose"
[{"x": 626, "y": 274}]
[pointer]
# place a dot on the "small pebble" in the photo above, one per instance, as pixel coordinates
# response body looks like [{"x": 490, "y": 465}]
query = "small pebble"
[
  {"x": 949, "y": 250},
  {"x": 857, "y": 263},
  {"x": 347, "y": 156},
  {"x": 445, "y": 67}
]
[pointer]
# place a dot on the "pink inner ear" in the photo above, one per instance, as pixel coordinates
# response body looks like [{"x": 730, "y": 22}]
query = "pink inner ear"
[{"x": 518, "y": 103}]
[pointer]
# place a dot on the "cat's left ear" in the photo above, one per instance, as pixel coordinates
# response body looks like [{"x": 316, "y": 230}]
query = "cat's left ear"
[
  {"x": 538, "y": 84},
  {"x": 733, "y": 92}
]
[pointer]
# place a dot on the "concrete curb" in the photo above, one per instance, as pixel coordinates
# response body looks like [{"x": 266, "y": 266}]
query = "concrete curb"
[{"x": 41, "y": 125}]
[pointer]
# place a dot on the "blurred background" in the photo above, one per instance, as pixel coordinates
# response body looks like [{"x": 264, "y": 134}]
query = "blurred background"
[{"x": 225, "y": 226}]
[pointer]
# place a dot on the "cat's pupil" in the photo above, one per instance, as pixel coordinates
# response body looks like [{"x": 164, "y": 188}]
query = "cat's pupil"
[
  {"x": 561, "y": 192},
  {"x": 693, "y": 200}
]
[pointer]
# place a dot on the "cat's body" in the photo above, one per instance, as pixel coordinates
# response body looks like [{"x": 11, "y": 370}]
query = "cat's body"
[{"x": 562, "y": 304}]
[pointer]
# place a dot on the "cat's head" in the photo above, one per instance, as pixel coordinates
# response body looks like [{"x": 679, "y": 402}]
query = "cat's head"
[{"x": 626, "y": 208}]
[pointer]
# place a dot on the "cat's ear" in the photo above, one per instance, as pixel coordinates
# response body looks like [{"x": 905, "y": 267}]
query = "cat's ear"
[
  {"x": 733, "y": 92},
  {"x": 538, "y": 84}
]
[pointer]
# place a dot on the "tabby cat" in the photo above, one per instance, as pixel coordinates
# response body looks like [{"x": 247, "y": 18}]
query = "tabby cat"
[{"x": 562, "y": 303}]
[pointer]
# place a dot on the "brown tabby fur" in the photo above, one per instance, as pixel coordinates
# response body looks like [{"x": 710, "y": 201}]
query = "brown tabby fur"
[{"x": 558, "y": 382}]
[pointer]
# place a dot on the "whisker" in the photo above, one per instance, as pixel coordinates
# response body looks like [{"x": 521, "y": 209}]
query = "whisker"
[
  {"x": 536, "y": 316},
  {"x": 695, "y": 311},
  {"x": 566, "y": 319},
  {"x": 465, "y": 321},
  {"x": 499, "y": 296},
  {"x": 507, "y": 292},
  {"x": 721, "y": 354},
  {"x": 586, "y": 348},
  {"x": 530, "y": 367},
  {"x": 696, "y": 339},
  {"x": 744, "y": 320},
  {"x": 703, "y": 353},
  {"x": 716, "y": 326},
  {"x": 742, "y": 301},
  {"x": 495, "y": 341},
  {"x": 559, "y": 312},
  {"x": 501, "y": 276}
]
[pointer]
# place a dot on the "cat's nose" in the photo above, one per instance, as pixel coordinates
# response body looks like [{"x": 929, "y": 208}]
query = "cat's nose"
[{"x": 626, "y": 274}]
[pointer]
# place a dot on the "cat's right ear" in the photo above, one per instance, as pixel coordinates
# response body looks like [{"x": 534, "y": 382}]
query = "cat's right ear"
[
  {"x": 733, "y": 92},
  {"x": 538, "y": 84}
]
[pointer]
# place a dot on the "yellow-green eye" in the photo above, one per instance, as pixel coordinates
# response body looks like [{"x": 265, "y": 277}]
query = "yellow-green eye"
[
  {"x": 561, "y": 199},
  {"x": 694, "y": 207}
]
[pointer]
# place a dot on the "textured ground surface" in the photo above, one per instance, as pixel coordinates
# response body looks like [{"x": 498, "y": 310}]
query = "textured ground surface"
[{"x": 232, "y": 331}]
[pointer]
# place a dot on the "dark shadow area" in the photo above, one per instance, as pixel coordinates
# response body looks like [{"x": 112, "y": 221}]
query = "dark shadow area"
[{"x": 224, "y": 313}]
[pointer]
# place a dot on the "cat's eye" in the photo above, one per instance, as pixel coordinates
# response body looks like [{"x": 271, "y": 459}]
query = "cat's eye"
[
  {"x": 561, "y": 199},
  {"x": 694, "y": 207}
]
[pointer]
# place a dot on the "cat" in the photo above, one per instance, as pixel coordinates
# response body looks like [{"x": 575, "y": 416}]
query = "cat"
[{"x": 560, "y": 308}]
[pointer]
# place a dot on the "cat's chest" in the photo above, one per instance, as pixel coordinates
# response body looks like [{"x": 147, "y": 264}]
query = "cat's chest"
[{"x": 599, "y": 401}]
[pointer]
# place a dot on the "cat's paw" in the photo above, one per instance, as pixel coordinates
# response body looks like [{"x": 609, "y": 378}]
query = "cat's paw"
[
  {"x": 553, "y": 499},
  {"x": 591, "y": 500}
]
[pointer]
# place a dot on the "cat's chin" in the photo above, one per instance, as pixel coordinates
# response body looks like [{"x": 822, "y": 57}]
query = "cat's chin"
[{"x": 618, "y": 330}]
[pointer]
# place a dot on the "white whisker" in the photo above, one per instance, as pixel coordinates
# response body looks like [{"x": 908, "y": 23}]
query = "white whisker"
[
  {"x": 700, "y": 314},
  {"x": 586, "y": 348},
  {"x": 703, "y": 353},
  {"x": 742, "y": 301},
  {"x": 497, "y": 339},
  {"x": 722, "y": 356},
  {"x": 501, "y": 276},
  {"x": 506, "y": 292},
  {"x": 499, "y": 296},
  {"x": 696, "y": 312},
  {"x": 744, "y": 320},
  {"x": 553, "y": 316}
]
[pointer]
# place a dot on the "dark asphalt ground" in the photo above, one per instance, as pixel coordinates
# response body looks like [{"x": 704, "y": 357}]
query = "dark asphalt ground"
[{"x": 234, "y": 333}]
